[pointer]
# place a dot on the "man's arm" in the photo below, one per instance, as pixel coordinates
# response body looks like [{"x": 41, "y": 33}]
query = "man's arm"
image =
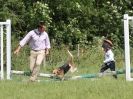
[
  {"x": 17, "y": 50},
  {"x": 23, "y": 42}
]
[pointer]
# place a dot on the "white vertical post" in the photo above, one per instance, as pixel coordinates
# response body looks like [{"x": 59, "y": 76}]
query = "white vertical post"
[
  {"x": 8, "y": 48},
  {"x": 1, "y": 52},
  {"x": 127, "y": 47}
]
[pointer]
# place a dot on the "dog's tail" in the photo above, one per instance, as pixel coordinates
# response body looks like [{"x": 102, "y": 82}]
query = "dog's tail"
[
  {"x": 70, "y": 57},
  {"x": 70, "y": 61}
]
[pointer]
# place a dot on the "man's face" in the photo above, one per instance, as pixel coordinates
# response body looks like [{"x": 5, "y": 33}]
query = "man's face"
[{"x": 41, "y": 29}]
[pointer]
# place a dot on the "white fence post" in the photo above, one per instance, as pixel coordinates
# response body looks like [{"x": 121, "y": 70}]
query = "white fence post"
[
  {"x": 8, "y": 48},
  {"x": 8, "y": 44},
  {"x": 1, "y": 52},
  {"x": 127, "y": 47}
]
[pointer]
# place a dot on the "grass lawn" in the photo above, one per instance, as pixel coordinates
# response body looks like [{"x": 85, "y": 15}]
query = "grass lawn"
[
  {"x": 98, "y": 88},
  {"x": 88, "y": 62}
]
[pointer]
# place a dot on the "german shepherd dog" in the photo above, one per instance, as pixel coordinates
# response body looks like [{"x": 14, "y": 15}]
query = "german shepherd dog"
[{"x": 69, "y": 65}]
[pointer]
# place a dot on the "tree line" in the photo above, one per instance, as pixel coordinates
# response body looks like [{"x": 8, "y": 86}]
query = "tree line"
[{"x": 69, "y": 21}]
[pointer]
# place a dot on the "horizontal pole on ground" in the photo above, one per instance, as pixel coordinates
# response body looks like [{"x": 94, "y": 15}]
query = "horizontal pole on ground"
[{"x": 27, "y": 73}]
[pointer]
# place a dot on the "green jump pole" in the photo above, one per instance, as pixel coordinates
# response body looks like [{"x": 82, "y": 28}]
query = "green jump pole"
[{"x": 122, "y": 71}]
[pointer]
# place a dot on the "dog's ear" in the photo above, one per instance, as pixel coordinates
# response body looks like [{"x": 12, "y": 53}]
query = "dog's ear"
[
  {"x": 55, "y": 71},
  {"x": 58, "y": 71}
]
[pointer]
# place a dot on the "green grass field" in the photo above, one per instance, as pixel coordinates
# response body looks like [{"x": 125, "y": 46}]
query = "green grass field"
[
  {"x": 89, "y": 62},
  {"x": 100, "y": 88}
]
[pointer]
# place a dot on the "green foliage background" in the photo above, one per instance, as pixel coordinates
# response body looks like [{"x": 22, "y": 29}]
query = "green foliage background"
[{"x": 69, "y": 21}]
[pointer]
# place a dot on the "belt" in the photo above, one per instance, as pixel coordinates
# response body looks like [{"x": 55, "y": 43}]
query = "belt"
[{"x": 36, "y": 50}]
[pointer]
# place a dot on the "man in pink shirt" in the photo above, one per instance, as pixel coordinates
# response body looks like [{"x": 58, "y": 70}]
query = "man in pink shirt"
[{"x": 39, "y": 43}]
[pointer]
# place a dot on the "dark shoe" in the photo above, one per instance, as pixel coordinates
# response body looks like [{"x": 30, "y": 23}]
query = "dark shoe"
[{"x": 115, "y": 76}]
